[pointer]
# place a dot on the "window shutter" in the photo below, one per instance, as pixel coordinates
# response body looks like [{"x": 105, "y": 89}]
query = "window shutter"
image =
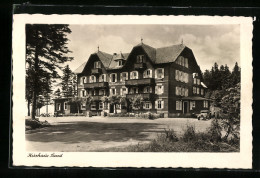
[
  {"x": 155, "y": 73},
  {"x": 162, "y": 103},
  {"x": 176, "y": 75},
  {"x": 110, "y": 92},
  {"x": 180, "y": 105},
  {"x": 131, "y": 75},
  {"x": 162, "y": 73},
  {"x": 156, "y": 89},
  {"x": 177, "y": 105},
  {"x": 115, "y": 77},
  {"x": 121, "y": 77},
  {"x": 137, "y": 73},
  {"x": 105, "y": 77},
  {"x": 144, "y": 74},
  {"x": 162, "y": 91},
  {"x": 126, "y": 75},
  {"x": 110, "y": 78},
  {"x": 156, "y": 105}
]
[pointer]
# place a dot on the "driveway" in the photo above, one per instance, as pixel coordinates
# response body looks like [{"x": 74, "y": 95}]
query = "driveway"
[{"x": 73, "y": 134}]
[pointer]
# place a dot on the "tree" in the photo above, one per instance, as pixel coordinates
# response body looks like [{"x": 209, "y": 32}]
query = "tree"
[
  {"x": 46, "y": 50},
  {"x": 78, "y": 101},
  {"x": 68, "y": 82},
  {"x": 115, "y": 100},
  {"x": 137, "y": 102},
  {"x": 235, "y": 76}
]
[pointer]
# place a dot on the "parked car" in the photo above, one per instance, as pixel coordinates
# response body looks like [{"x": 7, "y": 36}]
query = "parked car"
[{"x": 204, "y": 114}]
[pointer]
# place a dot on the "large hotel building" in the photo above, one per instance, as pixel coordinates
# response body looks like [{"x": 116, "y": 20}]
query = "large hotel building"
[{"x": 168, "y": 78}]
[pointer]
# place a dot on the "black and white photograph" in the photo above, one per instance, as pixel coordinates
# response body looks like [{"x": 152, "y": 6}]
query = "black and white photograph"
[{"x": 164, "y": 88}]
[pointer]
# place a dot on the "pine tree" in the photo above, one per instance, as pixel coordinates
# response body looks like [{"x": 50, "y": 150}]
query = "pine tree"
[
  {"x": 67, "y": 83},
  {"x": 235, "y": 76},
  {"x": 46, "y": 50}
]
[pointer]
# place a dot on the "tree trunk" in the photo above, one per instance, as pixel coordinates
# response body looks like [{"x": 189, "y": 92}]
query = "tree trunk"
[
  {"x": 35, "y": 84},
  {"x": 33, "y": 112},
  {"x": 28, "y": 105}
]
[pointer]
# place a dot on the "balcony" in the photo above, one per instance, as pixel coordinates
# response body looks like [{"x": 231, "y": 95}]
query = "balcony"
[
  {"x": 96, "y": 85},
  {"x": 149, "y": 96},
  {"x": 139, "y": 82},
  {"x": 140, "y": 66},
  {"x": 95, "y": 71}
]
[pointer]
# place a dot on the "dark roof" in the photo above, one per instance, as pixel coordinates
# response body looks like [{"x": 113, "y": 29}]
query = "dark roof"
[
  {"x": 157, "y": 56},
  {"x": 105, "y": 58},
  {"x": 113, "y": 64},
  {"x": 168, "y": 54}
]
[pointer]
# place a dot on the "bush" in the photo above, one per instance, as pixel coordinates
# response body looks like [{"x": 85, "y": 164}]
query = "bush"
[
  {"x": 34, "y": 124},
  {"x": 189, "y": 133},
  {"x": 148, "y": 115},
  {"x": 120, "y": 115},
  {"x": 215, "y": 131}
]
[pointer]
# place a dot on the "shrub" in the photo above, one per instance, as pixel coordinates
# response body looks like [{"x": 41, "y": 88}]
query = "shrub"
[
  {"x": 215, "y": 131},
  {"x": 189, "y": 133},
  {"x": 34, "y": 124},
  {"x": 170, "y": 135},
  {"x": 148, "y": 115}
]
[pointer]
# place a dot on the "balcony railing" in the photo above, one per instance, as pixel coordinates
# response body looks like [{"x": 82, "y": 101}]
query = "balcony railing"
[
  {"x": 96, "y": 85},
  {"x": 140, "y": 65},
  {"x": 96, "y": 71},
  {"x": 138, "y": 82},
  {"x": 149, "y": 96}
]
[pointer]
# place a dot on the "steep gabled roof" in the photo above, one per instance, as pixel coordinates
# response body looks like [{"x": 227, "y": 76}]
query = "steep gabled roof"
[
  {"x": 105, "y": 58},
  {"x": 168, "y": 54},
  {"x": 150, "y": 51}
]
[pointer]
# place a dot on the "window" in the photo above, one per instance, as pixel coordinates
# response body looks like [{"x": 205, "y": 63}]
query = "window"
[
  {"x": 147, "y": 105},
  {"x": 65, "y": 105},
  {"x": 58, "y": 106},
  {"x": 177, "y": 75},
  {"x": 103, "y": 78},
  {"x": 194, "y": 90},
  {"x": 182, "y": 91},
  {"x": 113, "y": 91},
  {"x": 159, "y": 89},
  {"x": 134, "y": 75},
  {"x": 93, "y": 106},
  {"x": 83, "y": 93},
  {"x": 159, "y": 73},
  {"x": 81, "y": 80},
  {"x": 159, "y": 104},
  {"x": 186, "y": 77},
  {"x": 194, "y": 81},
  {"x": 100, "y": 105},
  {"x": 186, "y": 62},
  {"x": 120, "y": 63},
  {"x": 133, "y": 90},
  {"x": 198, "y": 81},
  {"x": 123, "y": 91},
  {"x": 198, "y": 90},
  {"x": 178, "y": 105},
  {"x": 97, "y": 64},
  {"x": 102, "y": 92},
  {"x": 92, "y": 79},
  {"x": 105, "y": 106},
  {"x": 202, "y": 91},
  {"x": 113, "y": 77},
  {"x": 84, "y": 79},
  {"x": 83, "y": 106},
  {"x": 148, "y": 89},
  {"x": 205, "y": 104},
  {"x": 186, "y": 92},
  {"x": 192, "y": 105},
  {"x": 123, "y": 76},
  {"x": 140, "y": 59},
  {"x": 147, "y": 73}
]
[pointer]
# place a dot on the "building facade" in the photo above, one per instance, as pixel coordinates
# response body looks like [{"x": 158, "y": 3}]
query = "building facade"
[{"x": 168, "y": 79}]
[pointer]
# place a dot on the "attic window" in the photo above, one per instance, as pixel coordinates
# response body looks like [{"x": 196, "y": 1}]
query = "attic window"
[
  {"x": 120, "y": 63},
  {"x": 140, "y": 59},
  {"x": 97, "y": 64}
]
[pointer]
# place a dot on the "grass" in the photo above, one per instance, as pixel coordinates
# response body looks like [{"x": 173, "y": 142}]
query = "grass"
[{"x": 190, "y": 141}]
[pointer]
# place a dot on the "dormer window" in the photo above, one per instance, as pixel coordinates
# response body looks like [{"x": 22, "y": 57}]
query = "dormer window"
[
  {"x": 120, "y": 63},
  {"x": 97, "y": 65},
  {"x": 140, "y": 59}
]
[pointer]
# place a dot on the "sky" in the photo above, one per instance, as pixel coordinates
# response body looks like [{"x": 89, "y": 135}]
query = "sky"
[{"x": 209, "y": 43}]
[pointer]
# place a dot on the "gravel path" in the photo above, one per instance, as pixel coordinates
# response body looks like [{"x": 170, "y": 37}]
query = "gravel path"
[{"x": 74, "y": 134}]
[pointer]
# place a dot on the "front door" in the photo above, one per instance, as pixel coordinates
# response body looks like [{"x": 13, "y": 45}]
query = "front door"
[
  {"x": 111, "y": 110},
  {"x": 185, "y": 107}
]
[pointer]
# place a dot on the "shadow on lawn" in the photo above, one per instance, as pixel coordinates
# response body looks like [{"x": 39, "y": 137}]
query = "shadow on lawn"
[{"x": 75, "y": 132}]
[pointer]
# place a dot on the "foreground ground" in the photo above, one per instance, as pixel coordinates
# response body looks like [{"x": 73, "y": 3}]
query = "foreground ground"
[{"x": 99, "y": 134}]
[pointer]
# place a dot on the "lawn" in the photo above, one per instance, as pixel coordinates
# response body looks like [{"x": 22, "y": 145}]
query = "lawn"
[{"x": 99, "y": 134}]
